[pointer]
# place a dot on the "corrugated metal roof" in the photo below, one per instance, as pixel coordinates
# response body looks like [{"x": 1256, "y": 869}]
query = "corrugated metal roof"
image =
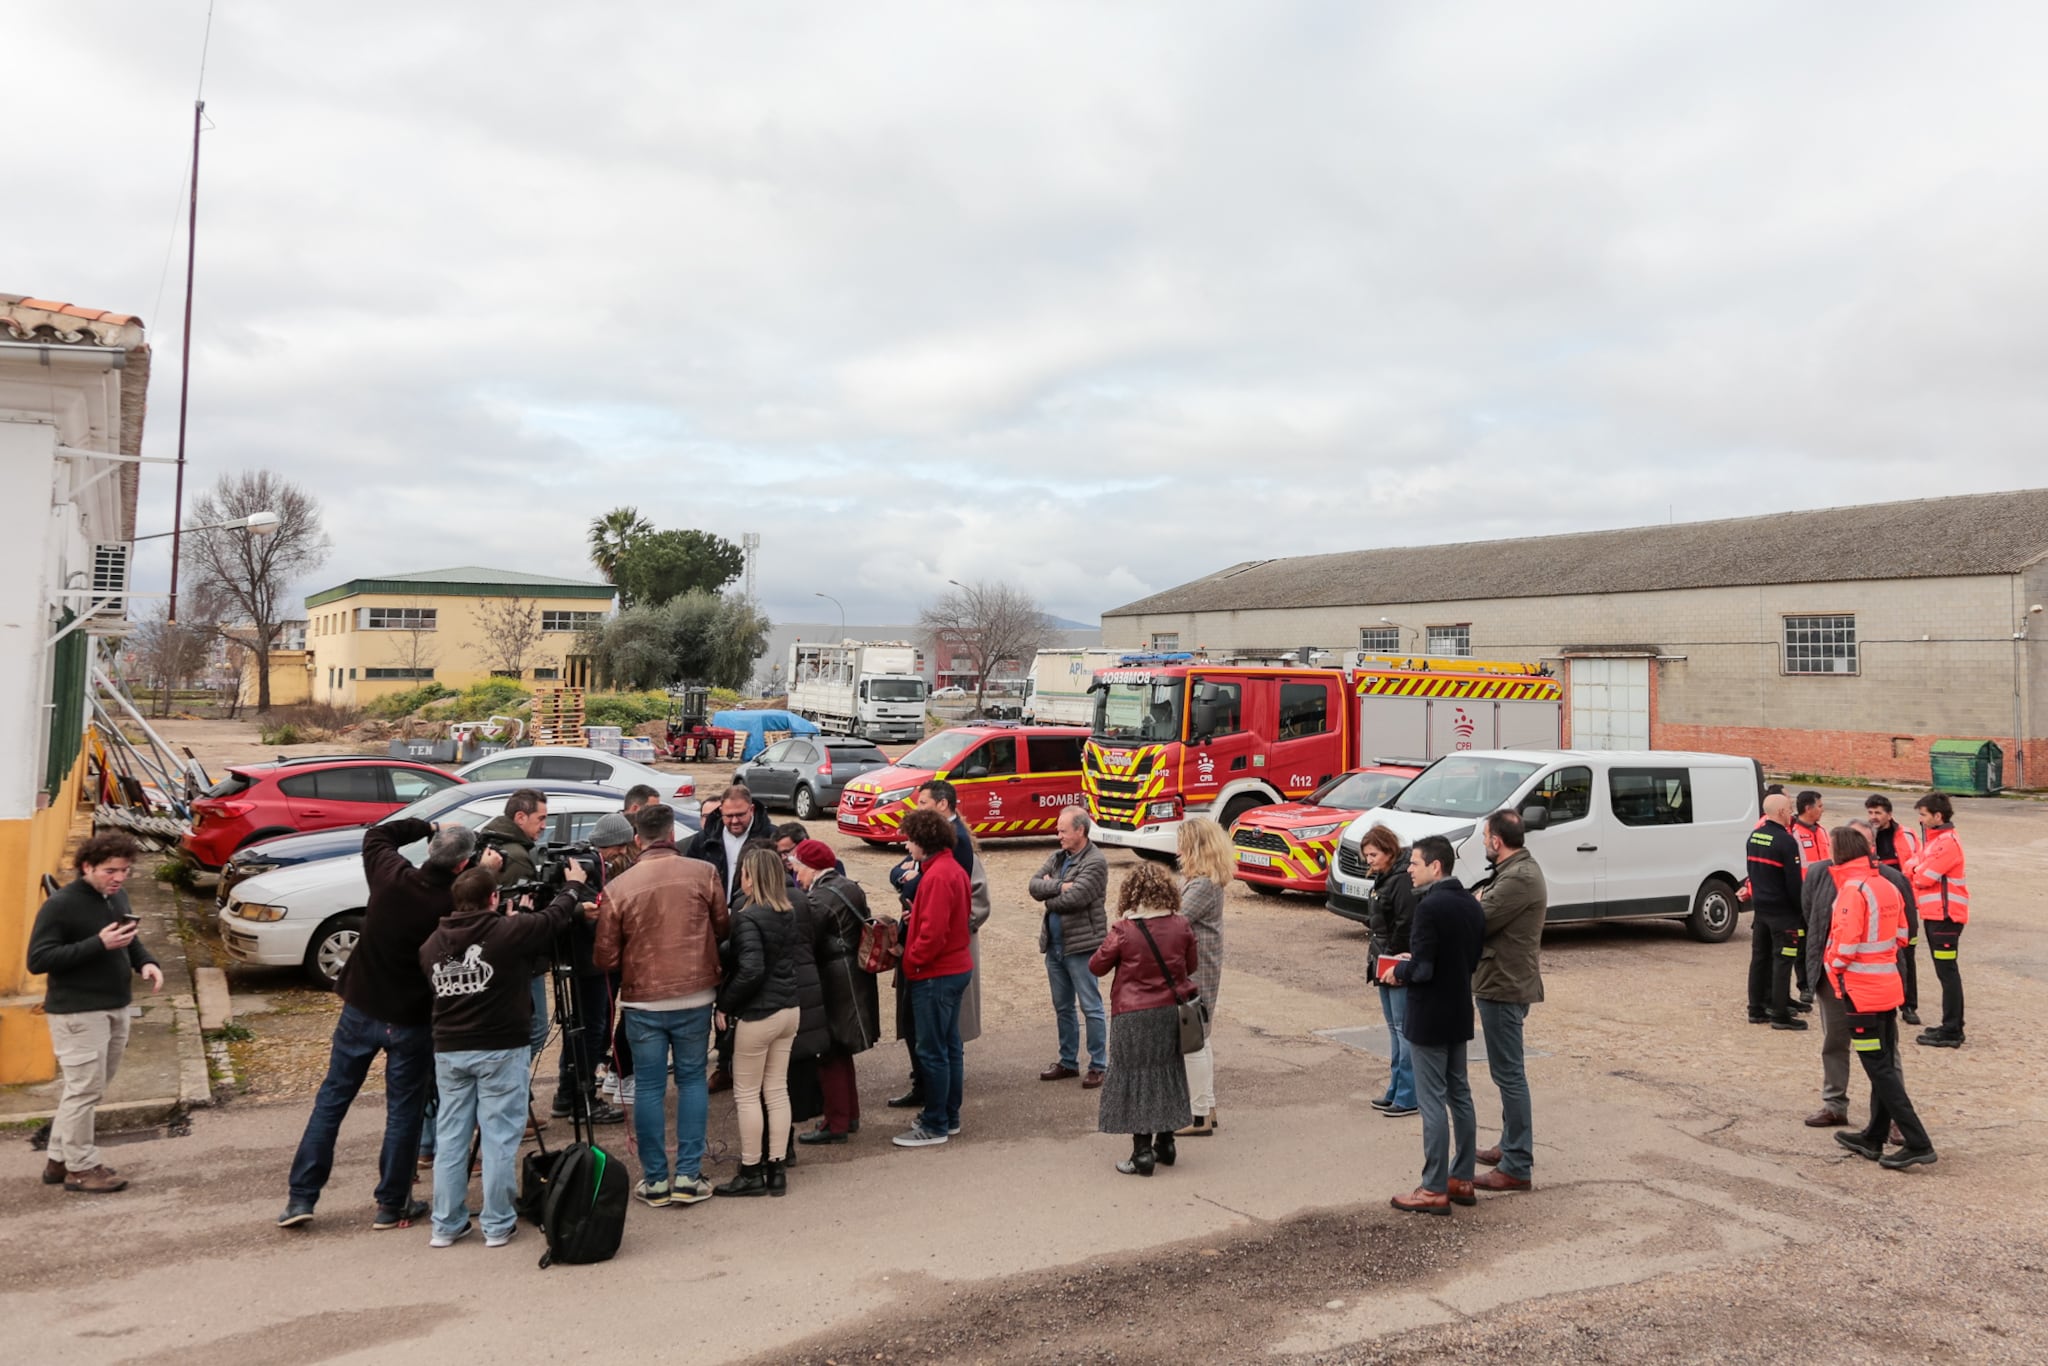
[
  {"x": 1985, "y": 533},
  {"x": 469, "y": 581}
]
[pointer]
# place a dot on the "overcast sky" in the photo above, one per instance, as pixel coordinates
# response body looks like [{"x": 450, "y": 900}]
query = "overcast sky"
[{"x": 1094, "y": 298}]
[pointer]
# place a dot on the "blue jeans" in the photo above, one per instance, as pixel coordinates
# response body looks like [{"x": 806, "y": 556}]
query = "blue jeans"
[
  {"x": 1440, "y": 1083},
  {"x": 1501, "y": 1023},
  {"x": 1401, "y": 1067},
  {"x": 543, "y": 1020},
  {"x": 941, "y": 1056},
  {"x": 408, "y": 1070},
  {"x": 484, "y": 1087},
  {"x": 659, "y": 1040},
  {"x": 1073, "y": 984}
]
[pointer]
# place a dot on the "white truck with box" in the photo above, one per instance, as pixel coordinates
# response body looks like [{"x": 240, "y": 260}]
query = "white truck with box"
[
  {"x": 1057, "y": 691},
  {"x": 866, "y": 688}
]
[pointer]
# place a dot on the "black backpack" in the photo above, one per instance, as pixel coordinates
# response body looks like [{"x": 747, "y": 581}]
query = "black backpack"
[{"x": 583, "y": 1205}]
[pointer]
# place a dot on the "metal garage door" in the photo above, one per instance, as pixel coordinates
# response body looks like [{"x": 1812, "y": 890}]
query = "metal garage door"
[{"x": 1610, "y": 703}]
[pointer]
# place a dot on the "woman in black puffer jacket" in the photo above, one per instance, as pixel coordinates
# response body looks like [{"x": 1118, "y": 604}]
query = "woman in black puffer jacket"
[
  {"x": 1390, "y": 910},
  {"x": 761, "y": 994}
]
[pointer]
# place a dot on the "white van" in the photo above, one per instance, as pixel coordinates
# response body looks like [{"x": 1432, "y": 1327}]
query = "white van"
[{"x": 1619, "y": 834}]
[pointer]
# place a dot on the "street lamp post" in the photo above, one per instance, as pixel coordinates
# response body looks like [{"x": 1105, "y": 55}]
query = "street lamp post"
[
  {"x": 256, "y": 524},
  {"x": 842, "y": 610}
]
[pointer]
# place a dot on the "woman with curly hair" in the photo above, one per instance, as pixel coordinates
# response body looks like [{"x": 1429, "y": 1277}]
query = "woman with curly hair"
[
  {"x": 1152, "y": 951},
  {"x": 1207, "y": 867}
]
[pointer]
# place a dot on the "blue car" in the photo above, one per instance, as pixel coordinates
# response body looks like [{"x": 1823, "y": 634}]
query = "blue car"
[{"x": 283, "y": 851}]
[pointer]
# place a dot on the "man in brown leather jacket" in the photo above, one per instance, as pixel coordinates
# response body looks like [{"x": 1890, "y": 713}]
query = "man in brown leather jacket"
[{"x": 659, "y": 926}]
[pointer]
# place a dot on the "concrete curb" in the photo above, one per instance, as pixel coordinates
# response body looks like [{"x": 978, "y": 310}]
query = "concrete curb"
[{"x": 195, "y": 1088}]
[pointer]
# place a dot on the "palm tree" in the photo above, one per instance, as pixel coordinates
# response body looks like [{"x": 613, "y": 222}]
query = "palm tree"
[{"x": 611, "y": 534}]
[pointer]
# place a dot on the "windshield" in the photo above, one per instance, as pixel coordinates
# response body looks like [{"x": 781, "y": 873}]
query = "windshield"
[
  {"x": 1358, "y": 791},
  {"x": 896, "y": 689},
  {"x": 941, "y": 750},
  {"x": 1463, "y": 785},
  {"x": 1140, "y": 710}
]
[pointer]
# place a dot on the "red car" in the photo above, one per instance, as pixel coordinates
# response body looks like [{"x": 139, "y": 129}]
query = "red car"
[
  {"x": 297, "y": 796},
  {"x": 1011, "y": 780},
  {"x": 1287, "y": 848}
]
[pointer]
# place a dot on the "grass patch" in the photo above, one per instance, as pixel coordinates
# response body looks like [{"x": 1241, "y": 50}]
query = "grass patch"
[
  {"x": 479, "y": 701},
  {"x": 234, "y": 1031},
  {"x": 180, "y": 873},
  {"x": 281, "y": 733},
  {"x": 392, "y": 706}
]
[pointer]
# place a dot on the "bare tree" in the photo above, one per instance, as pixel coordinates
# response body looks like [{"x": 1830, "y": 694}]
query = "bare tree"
[
  {"x": 255, "y": 573},
  {"x": 511, "y": 630},
  {"x": 990, "y": 622},
  {"x": 169, "y": 654},
  {"x": 413, "y": 642}
]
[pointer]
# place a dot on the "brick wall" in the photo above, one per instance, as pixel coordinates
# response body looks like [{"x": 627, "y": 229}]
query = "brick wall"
[{"x": 1875, "y": 755}]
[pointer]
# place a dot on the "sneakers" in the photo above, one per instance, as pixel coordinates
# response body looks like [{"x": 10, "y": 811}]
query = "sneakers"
[
  {"x": 451, "y": 1239},
  {"x": 388, "y": 1219},
  {"x": 817, "y": 1136},
  {"x": 1399, "y": 1111},
  {"x": 688, "y": 1191},
  {"x": 101, "y": 1180},
  {"x": 501, "y": 1239},
  {"x": 1382, "y": 1103},
  {"x": 919, "y": 1137},
  {"x": 563, "y": 1105},
  {"x": 1907, "y": 1157},
  {"x": 1868, "y": 1149},
  {"x": 604, "y": 1112},
  {"x": 953, "y": 1130},
  {"x": 608, "y": 1089},
  {"x": 653, "y": 1194},
  {"x": 296, "y": 1212}
]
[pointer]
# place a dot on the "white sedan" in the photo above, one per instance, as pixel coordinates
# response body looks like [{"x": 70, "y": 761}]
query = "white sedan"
[
  {"x": 310, "y": 914},
  {"x": 569, "y": 763}
]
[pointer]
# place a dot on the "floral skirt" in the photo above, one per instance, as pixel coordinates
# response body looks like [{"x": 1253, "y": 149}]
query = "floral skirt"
[{"x": 1146, "y": 1091}]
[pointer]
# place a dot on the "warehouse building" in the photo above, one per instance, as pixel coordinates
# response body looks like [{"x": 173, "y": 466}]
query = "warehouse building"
[{"x": 1841, "y": 641}]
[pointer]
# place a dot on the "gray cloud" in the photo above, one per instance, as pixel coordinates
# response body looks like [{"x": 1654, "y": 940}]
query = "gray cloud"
[{"x": 1095, "y": 298}]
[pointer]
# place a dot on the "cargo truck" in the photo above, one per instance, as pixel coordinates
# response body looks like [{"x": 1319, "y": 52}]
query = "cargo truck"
[
  {"x": 1060, "y": 690},
  {"x": 871, "y": 689}
]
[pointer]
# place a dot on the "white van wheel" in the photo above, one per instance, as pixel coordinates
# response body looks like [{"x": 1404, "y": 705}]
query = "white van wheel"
[{"x": 1714, "y": 910}]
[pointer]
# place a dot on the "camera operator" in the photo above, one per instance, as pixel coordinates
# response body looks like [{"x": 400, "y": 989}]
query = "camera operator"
[
  {"x": 474, "y": 962},
  {"x": 576, "y": 1062},
  {"x": 386, "y": 1007},
  {"x": 513, "y": 833}
]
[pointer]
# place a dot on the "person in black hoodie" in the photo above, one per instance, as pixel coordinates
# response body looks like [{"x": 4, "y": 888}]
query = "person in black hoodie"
[
  {"x": 762, "y": 996},
  {"x": 477, "y": 964},
  {"x": 1444, "y": 945},
  {"x": 84, "y": 939},
  {"x": 1390, "y": 909},
  {"x": 386, "y": 1008}
]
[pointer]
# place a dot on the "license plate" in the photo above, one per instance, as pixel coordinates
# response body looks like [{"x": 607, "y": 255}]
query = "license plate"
[{"x": 1256, "y": 860}]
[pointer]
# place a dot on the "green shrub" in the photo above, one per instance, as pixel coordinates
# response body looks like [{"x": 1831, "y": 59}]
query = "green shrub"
[
  {"x": 284, "y": 734},
  {"x": 492, "y": 697},
  {"x": 391, "y": 706},
  {"x": 624, "y": 709}
]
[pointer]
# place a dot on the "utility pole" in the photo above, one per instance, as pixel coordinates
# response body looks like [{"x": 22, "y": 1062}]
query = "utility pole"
[
  {"x": 185, "y": 351},
  {"x": 750, "y": 542}
]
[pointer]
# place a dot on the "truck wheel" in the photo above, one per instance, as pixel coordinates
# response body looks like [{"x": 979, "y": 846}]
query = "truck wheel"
[
  {"x": 1238, "y": 806},
  {"x": 1713, "y": 912},
  {"x": 331, "y": 946},
  {"x": 805, "y": 804}
]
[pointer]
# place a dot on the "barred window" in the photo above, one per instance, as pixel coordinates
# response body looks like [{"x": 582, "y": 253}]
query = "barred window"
[
  {"x": 1166, "y": 640},
  {"x": 1450, "y": 640},
  {"x": 1820, "y": 645},
  {"x": 1379, "y": 640},
  {"x": 570, "y": 621},
  {"x": 400, "y": 618},
  {"x": 395, "y": 673}
]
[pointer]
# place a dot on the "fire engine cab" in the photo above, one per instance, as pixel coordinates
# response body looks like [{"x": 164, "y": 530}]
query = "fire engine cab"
[{"x": 1176, "y": 735}]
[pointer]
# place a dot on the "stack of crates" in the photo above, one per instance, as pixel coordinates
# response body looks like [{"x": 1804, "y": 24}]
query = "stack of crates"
[
  {"x": 606, "y": 738},
  {"x": 558, "y": 717},
  {"x": 639, "y": 748}
]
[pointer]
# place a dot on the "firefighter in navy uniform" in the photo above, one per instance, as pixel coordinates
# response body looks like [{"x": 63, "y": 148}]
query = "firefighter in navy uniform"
[
  {"x": 1777, "y": 916},
  {"x": 1862, "y": 964},
  {"x": 1893, "y": 846}
]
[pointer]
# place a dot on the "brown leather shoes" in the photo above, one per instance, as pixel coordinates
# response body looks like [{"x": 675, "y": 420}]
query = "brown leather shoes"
[
  {"x": 1487, "y": 1157},
  {"x": 53, "y": 1172},
  {"x": 101, "y": 1180},
  {"x": 1826, "y": 1119},
  {"x": 1460, "y": 1192},
  {"x": 1499, "y": 1181},
  {"x": 1092, "y": 1080},
  {"x": 1059, "y": 1071},
  {"x": 1423, "y": 1201}
]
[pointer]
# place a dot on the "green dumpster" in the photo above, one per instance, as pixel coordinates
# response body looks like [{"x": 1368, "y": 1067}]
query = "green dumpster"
[{"x": 1975, "y": 768}]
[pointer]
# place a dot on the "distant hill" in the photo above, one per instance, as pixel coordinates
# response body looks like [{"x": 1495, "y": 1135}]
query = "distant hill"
[{"x": 1063, "y": 624}]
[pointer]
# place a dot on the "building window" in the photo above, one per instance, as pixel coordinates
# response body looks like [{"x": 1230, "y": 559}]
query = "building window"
[
  {"x": 1166, "y": 640},
  {"x": 400, "y": 618},
  {"x": 544, "y": 674},
  {"x": 570, "y": 621},
  {"x": 505, "y": 673},
  {"x": 1379, "y": 640},
  {"x": 1820, "y": 645},
  {"x": 1451, "y": 640},
  {"x": 395, "y": 673}
]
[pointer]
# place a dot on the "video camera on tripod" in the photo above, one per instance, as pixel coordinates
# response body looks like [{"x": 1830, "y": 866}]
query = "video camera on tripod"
[{"x": 550, "y": 871}]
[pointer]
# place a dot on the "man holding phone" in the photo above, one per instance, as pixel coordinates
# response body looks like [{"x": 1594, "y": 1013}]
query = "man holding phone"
[{"x": 84, "y": 942}]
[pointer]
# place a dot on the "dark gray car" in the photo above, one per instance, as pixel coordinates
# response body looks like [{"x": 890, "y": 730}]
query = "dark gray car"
[{"x": 807, "y": 773}]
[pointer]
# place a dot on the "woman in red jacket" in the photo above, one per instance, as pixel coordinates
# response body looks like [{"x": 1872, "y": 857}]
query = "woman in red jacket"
[
  {"x": 1151, "y": 948},
  {"x": 938, "y": 959}
]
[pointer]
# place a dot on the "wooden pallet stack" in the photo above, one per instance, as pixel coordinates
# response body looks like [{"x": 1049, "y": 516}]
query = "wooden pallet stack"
[{"x": 558, "y": 717}]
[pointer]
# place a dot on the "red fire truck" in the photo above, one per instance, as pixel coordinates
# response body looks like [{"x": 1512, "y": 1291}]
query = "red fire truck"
[{"x": 1180, "y": 735}]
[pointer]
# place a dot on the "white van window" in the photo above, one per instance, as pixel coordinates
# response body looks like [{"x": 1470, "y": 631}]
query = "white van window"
[
  {"x": 1567, "y": 793},
  {"x": 1650, "y": 796},
  {"x": 1462, "y": 785}
]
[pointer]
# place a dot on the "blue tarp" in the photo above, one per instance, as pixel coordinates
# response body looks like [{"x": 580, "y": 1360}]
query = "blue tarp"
[{"x": 755, "y": 724}]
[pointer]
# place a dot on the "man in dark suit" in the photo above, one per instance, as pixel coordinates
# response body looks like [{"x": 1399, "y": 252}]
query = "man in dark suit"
[{"x": 1444, "y": 946}]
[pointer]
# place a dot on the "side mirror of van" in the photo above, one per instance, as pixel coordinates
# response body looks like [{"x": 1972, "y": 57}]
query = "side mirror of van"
[{"x": 1535, "y": 816}]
